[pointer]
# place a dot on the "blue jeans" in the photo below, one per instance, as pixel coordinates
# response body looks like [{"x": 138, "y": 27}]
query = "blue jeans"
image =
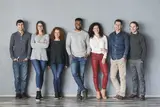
[
  {"x": 57, "y": 71},
  {"x": 77, "y": 69},
  {"x": 20, "y": 70},
  {"x": 39, "y": 67}
]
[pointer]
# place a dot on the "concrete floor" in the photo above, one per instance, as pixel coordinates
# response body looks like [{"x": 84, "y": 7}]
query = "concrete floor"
[{"x": 72, "y": 102}]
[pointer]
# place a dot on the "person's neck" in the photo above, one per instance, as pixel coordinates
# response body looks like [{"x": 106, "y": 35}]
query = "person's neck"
[
  {"x": 78, "y": 30},
  {"x": 56, "y": 39},
  {"x": 21, "y": 32},
  {"x": 118, "y": 31},
  {"x": 97, "y": 35},
  {"x": 134, "y": 32},
  {"x": 40, "y": 33}
]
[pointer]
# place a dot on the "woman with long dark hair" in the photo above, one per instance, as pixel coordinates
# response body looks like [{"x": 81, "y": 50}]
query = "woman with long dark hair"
[{"x": 99, "y": 48}]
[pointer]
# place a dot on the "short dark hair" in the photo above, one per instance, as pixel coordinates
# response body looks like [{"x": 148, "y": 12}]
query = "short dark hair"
[
  {"x": 136, "y": 23},
  {"x": 79, "y": 19},
  {"x": 118, "y": 20},
  {"x": 19, "y": 21},
  {"x": 90, "y": 31}
]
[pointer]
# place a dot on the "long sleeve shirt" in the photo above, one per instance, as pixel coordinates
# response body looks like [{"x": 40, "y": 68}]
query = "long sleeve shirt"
[
  {"x": 39, "y": 45},
  {"x": 118, "y": 45},
  {"x": 77, "y": 43},
  {"x": 57, "y": 53},
  {"x": 98, "y": 45},
  {"x": 137, "y": 47},
  {"x": 20, "y": 47}
]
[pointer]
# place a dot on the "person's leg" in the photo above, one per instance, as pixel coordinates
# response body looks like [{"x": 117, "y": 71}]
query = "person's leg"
[
  {"x": 122, "y": 75},
  {"x": 94, "y": 63},
  {"x": 113, "y": 76},
  {"x": 140, "y": 70},
  {"x": 54, "y": 71},
  {"x": 16, "y": 72},
  {"x": 82, "y": 62},
  {"x": 60, "y": 68},
  {"x": 75, "y": 74},
  {"x": 37, "y": 67},
  {"x": 43, "y": 65},
  {"x": 133, "y": 69},
  {"x": 104, "y": 69},
  {"x": 24, "y": 76}
]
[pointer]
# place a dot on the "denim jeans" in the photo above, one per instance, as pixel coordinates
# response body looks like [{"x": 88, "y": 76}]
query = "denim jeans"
[
  {"x": 57, "y": 71},
  {"x": 77, "y": 69},
  {"x": 136, "y": 67},
  {"x": 20, "y": 70},
  {"x": 39, "y": 67}
]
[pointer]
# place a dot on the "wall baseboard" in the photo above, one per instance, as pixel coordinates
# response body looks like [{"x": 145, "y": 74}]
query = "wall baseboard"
[{"x": 71, "y": 95}]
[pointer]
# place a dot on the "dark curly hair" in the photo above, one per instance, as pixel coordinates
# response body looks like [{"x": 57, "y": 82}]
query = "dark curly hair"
[{"x": 90, "y": 31}]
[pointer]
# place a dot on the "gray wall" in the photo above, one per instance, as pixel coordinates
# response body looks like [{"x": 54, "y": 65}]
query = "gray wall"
[{"x": 62, "y": 13}]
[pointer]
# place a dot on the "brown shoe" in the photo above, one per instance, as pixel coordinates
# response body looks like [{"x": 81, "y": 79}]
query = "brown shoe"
[{"x": 103, "y": 93}]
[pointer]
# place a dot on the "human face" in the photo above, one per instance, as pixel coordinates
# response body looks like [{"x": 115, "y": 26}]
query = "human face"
[
  {"x": 96, "y": 30},
  {"x": 117, "y": 26},
  {"x": 20, "y": 26},
  {"x": 78, "y": 25},
  {"x": 40, "y": 27},
  {"x": 57, "y": 34},
  {"x": 133, "y": 28}
]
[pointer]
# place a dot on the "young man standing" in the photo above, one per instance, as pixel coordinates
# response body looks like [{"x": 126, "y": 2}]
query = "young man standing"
[
  {"x": 20, "y": 53},
  {"x": 136, "y": 59},
  {"x": 77, "y": 46},
  {"x": 118, "y": 49}
]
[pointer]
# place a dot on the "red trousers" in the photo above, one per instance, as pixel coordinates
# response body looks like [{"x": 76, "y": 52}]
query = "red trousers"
[{"x": 96, "y": 60}]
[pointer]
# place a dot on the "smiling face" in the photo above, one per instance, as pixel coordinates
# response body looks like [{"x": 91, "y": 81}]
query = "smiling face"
[
  {"x": 40, "y": 27},
  {"x": 78, "y": 25},
  {"x": 96, "y": 29},
  {"x": 133, "y": 28},
  {"x": 117, "y": 26},
  {"x": 57, "y": 34}
]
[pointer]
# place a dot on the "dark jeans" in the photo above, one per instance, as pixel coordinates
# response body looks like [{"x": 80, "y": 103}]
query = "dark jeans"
[
  {"x": 77, "y": 69},
  {"x": 20, "y": 70},
  {"x": 57, "y": 71},
  {"x": 136, "y": 67},
  {"x": 39, "y": 67}
]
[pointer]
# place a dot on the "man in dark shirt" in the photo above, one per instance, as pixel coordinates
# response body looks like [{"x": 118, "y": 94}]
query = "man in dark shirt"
[
  {"x": 137, "y": 55},
  {"x": 118, "y": 49},
  {"x": 20, "y": 53}
]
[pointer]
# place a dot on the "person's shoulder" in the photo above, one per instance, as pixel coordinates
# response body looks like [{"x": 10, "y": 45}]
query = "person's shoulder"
[
  {"x": 111, "y": 34},
  {"x": 14, "y": 34}
]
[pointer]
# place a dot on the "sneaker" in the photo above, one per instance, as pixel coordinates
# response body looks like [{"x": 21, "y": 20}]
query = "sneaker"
[
  {"x": 60, "y": 95},
  {"x": 38, "y": 97},
  {"x": 120, "y": 97},
  {"x": 24, "y": 95},
  {"x": 18, "y": 96},
  {"x": 79, "y": 97},
  {"x": 85, "y": 94},
  {"x": 133, "y": 96},
  {"x": 116, "y": 97},
  {"x": 142, "y": 97}
]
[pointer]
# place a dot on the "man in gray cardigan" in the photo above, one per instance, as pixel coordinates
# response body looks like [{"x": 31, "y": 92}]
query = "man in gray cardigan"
[
  {"x": 137, "y": 55},
  {"x": 20, "y": 53},
  {"x": 77, "y": 46}
]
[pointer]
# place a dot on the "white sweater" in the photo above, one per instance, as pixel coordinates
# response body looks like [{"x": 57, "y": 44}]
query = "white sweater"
[{"x": 39, "y": 45}]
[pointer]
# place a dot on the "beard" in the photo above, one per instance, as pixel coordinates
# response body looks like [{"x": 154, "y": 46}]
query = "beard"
[{"x": 78, "y": 28}]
